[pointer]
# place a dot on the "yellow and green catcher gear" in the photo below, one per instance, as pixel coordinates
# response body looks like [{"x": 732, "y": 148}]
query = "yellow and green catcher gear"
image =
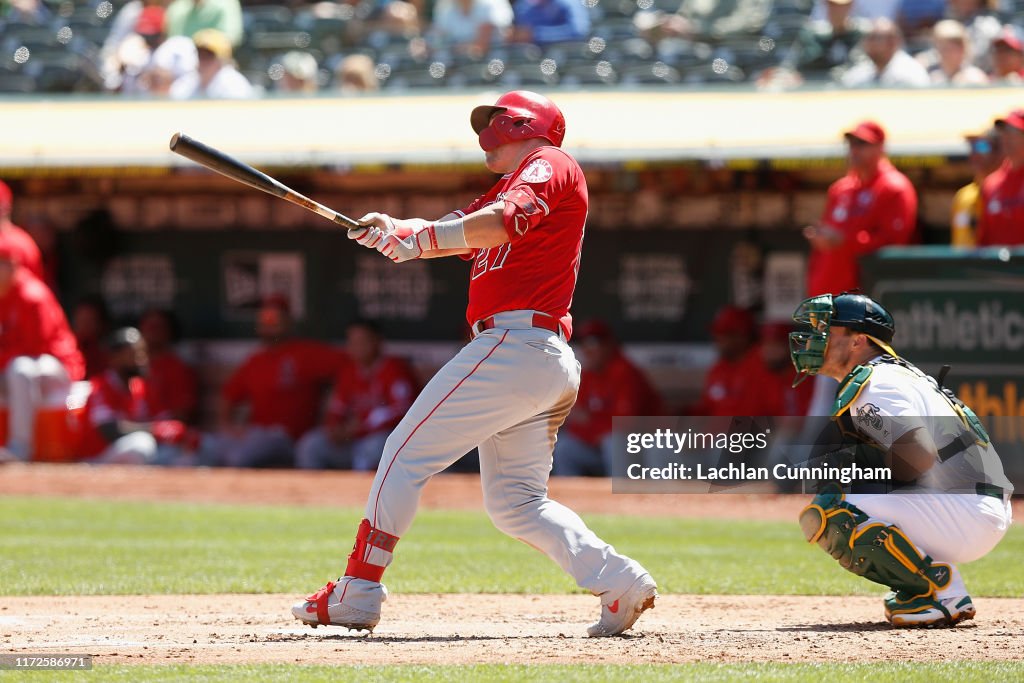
[{"x": 879, "y": 552}]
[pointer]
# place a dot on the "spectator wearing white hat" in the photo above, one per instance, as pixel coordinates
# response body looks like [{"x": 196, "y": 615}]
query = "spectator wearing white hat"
[
  {"x": 299, "y": 74},
  {"x": 216, "y": 76},
  {"x": 175, "y": 58},
  {"x": 954, "y": 65}
]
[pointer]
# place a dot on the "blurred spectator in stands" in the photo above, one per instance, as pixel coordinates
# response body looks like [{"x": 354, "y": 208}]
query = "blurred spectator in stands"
[
  {"x": 869, "y": 10},
  {"x": 17, "y": 240},
  {"x": 916, "y": 17},
  {"x": 175, "y": 58},
  {"x": 700, "y": 20},
  {"x": 120, "y": 425},
  {"x": 978, "y": 17},
  {"x": 281, "y": 384},
  {"x": 985, "y": 157},
  {"x": 172, "y": 383},
  {"x": 137, "y": 29},
  {"x": 188, "y": 17},
  {"x": 954, "y": 65},
  {"x": 549, "y": 21},
  {"x": 470, "y": 27},
  {"x": 887, "y": 63},
  {"x": 770, "y": 386},
  {"x": 216, "y": 76},
  {"x": 728, "y": 381},
  {"x": 372, "y": 393},
  {"x": 823, "y": 46},
  {"x": 1002, "y": 193},
  {"x": 26, "y": 12},
  {"x": 355, "y": 74},
  {"x": 90, "y": 322},
  {"x": 38, "y": 354},
  {"x": 872, "y": 206},
  {"x": 299, "y": 73},
  {"x": 610, "y": 385},
  {"x": 1008, "y": 57}
]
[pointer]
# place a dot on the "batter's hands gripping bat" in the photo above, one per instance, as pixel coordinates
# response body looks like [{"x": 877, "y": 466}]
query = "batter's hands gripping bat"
[{"x": 218, "y": 161}]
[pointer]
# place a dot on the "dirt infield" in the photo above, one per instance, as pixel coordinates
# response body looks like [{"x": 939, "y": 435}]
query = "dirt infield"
[
  {"x": 470, "y": 629},
  {"x": 461, "y": 629}
]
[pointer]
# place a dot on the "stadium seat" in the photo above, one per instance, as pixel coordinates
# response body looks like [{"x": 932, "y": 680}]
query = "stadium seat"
[
  {"x": 658, "y": 73},
  {"x": 431, "y": 75},
  {"x": 599, "y": 73},
  {"x": 15, "y": 83},
  {"x": 267, "y": 18}
]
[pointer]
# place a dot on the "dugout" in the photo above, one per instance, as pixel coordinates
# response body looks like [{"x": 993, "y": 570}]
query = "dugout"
[{"x": 697, "y": 201}]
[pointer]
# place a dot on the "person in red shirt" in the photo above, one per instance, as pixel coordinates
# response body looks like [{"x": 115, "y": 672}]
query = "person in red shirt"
[
  {"x": 17, "y": 240},
  {"x": 727, "y": 382},
  {"x": 371, "y": 395},
  {"x": 282, "y": 384},
  {"x": 770, "y": 391},
  {"x": 173, "y": 386},
  {"x": 1002, "y": 193},
  {"x": 90, "y": 321},
  {"x": 610, "y": 385},
  {"x": 871, "y": 207},
  {"x": 120, "y": 424},
  {"x": 38, "y": 354},
  {"x": 510, "y": 388}
]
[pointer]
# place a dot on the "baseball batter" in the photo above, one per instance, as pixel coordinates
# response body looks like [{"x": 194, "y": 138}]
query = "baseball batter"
[
  {"x": 506, "y": 392},
  {"x": 954, "y": 505}
]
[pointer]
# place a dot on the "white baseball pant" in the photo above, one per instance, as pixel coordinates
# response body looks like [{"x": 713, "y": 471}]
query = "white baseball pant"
[
  {"x": 30, "y": 384},
  {"x": 951, "y": 528},
  {"x": 506, "y": 392}
]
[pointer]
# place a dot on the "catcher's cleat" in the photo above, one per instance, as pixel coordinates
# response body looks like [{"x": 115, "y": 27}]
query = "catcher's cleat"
[
  {"x": 328, "y": 607},
  {"x": 620, "y": 615},
  {"x": 905, "y": 611}
]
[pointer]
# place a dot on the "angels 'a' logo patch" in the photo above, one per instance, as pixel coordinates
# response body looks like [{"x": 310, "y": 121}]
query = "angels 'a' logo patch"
[{"x": 538, "y": 171}]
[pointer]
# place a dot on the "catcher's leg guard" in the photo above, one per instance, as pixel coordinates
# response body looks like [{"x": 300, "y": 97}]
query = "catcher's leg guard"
[{"x": 870, "y": 548}]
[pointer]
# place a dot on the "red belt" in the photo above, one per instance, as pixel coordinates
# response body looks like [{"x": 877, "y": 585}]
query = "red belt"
[{"x": 545, "y": 322}]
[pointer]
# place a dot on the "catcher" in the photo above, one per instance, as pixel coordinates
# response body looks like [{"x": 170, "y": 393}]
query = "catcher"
[{"x": 953, "y": 502}]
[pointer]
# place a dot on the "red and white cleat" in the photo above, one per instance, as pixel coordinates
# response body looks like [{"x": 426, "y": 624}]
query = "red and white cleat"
[
  {"x": 620, "y": 615},
  {"x": 351, "y": 603}
]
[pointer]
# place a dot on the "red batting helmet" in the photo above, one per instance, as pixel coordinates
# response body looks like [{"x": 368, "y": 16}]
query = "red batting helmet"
[{"x": 522, "y": 115}]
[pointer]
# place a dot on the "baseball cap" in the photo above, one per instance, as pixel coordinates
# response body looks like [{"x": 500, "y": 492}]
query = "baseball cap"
[
  {"x": 733, "y": 320},
  {"x": 1015, "y": 119},
  {"x": 151, "y": 21},
  {"x": 214, "y": 41},
  {"x": 595, "y": 329},
  {"x": 867, "y": 131},
  {"x": 1011, "y": 37}
]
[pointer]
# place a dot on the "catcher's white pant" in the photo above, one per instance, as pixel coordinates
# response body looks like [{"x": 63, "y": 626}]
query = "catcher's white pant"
[
  {"x": 507, "y": 392},
  {"x": 951, "y": 528}
]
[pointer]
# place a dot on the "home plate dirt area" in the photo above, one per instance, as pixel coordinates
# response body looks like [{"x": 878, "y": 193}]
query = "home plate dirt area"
[{"x": 462, "y": 629}]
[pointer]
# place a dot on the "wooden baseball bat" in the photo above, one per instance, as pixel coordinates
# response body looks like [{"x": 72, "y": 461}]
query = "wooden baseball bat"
[{"x": 218, "y": 161}]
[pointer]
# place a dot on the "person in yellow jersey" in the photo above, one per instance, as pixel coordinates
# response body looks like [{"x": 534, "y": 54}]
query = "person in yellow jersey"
[{"x": 985, "y": 156}]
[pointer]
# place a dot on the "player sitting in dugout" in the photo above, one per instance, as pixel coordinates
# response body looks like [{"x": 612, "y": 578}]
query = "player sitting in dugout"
[
  {"x": 952, "y": 503},
  {"x": 371, "y": 395},
  {"x": 121, "y": 425},
  {"x": 610, "y": 385},
  {"x": 281, "y": 385},
  {"x": 38, "y": 353}
]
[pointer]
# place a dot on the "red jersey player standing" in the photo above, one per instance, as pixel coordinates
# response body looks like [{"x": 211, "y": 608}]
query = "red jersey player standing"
[{"x": 510, "y": 388}]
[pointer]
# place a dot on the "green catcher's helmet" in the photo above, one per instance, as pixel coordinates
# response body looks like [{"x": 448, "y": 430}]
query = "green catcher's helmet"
[{"x": 820, "y": 313}]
